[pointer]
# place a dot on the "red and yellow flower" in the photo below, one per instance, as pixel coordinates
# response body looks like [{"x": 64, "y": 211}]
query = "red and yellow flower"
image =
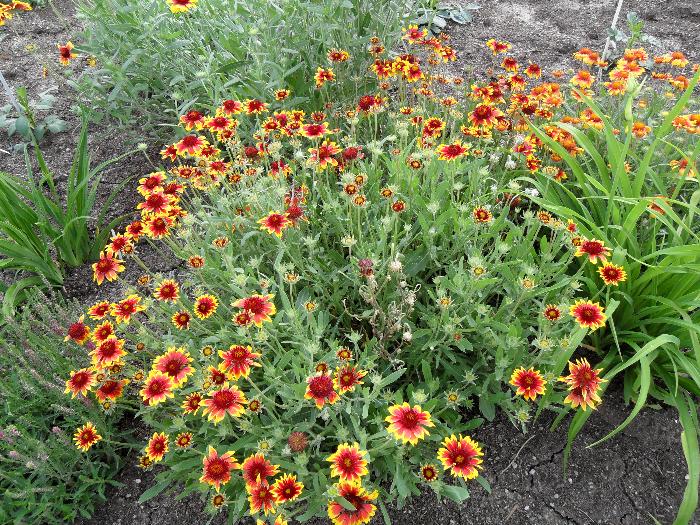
[
  {"x": 594, "y": 250},
  {"x": 259, "y": 307},
  {"x": 65, "y": 53},
  {"x": 261, "y": 498},
  {"x": 123, "y": 310},
  {"x": 347, "y": 377},
  {"x": 168, "y": 290},
  {"x": 348, "y": 462},
  {"x": 216, "y": 470},
  {"x": 275, "y": 223},
  {"x": 227, "y": 400},
  {"x": 461, "y": 455},
  {"x": 106, "y": 268},
  {"x": 238, "y": 360},
  {"x": 157, "y": 446},
  {"x": 86, "y": 436},
  {"x": 359, "y": 498},
  {"x": 175, "y": 363},
  {"x": 256, "y": 469},
  {"x": 588, "y": 314},
  {"x": 320, "y": 388},
  {"x": 205, "y": 306},
  {"x": 452, "y": 151},
  {"x": 408, "y": 424},
  {"x": 78, "y": 332},
  {"x": 80, "y": 382},
  {"x": 529, "y": 382},
  {"x": 583, "y": 383},
  {"x": 181, "y": 6},
  {"x": 612, "y": 274},
  {"x": 286, "y": 488},
  {"x": 156, "y": 388}
]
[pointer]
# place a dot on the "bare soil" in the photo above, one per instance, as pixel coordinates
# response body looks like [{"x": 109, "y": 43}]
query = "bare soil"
[{"x": 639, "y": 474}]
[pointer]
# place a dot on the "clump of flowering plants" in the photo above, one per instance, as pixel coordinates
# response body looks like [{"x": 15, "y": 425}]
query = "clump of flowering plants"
[{"x": 360, "y": 284}]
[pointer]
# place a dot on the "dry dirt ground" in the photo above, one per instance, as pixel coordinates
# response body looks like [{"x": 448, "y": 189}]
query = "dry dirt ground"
[{"x": 639, "y": 474}]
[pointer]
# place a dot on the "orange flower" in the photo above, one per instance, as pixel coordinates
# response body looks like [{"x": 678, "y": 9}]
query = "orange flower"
[
  {"x": 217, "y": 468},
  {"x": 640, "y": 130},
  {"x": 583, "y": 79},
  {"x": 529, "y": 383}
]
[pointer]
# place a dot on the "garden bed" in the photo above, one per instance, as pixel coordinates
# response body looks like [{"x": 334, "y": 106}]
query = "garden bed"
[{"x": 639, "y": 473}]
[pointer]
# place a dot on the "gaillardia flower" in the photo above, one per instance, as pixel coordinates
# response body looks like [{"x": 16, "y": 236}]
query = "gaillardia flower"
[
  {"x": 205, "y": 306},
  {"x": 359, "y": 498},
  {"x": 260, "y": 307},
  {"x": 217, "y": 468},
  {"x": 348, "y": 462},
  {"x": 157, "y": 446},
  {"x": 175, "y": 363},
  {"x": 594, "y": 250},
  {"x": 227, "y": 400},
  {"x": 256, "y": 469},
  {"x": 238, "y": 360},
  {"x": 286, "y": 488},
  {"x": 588, "y": 314},
  {"x": 157, "y": 388},
  {"x": 274, "y": 223},
  {"x": 612, "y": 274},
  {"x": 86, "y": 436},
  {"x": 583, "y": 383},
  {"x": 347, "y": 377},
  {"x": 529, "y": 383},
  {"x": 80, "y": 382},
  {"x": 461, "y": 455},
  {"x": 106, "y": 268},
  {"x": 260, "y": 498},
  {"x": 408, "y": 424},
  {"x": 320, "y": 388},
  {"x": 78, "y": 332}
]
